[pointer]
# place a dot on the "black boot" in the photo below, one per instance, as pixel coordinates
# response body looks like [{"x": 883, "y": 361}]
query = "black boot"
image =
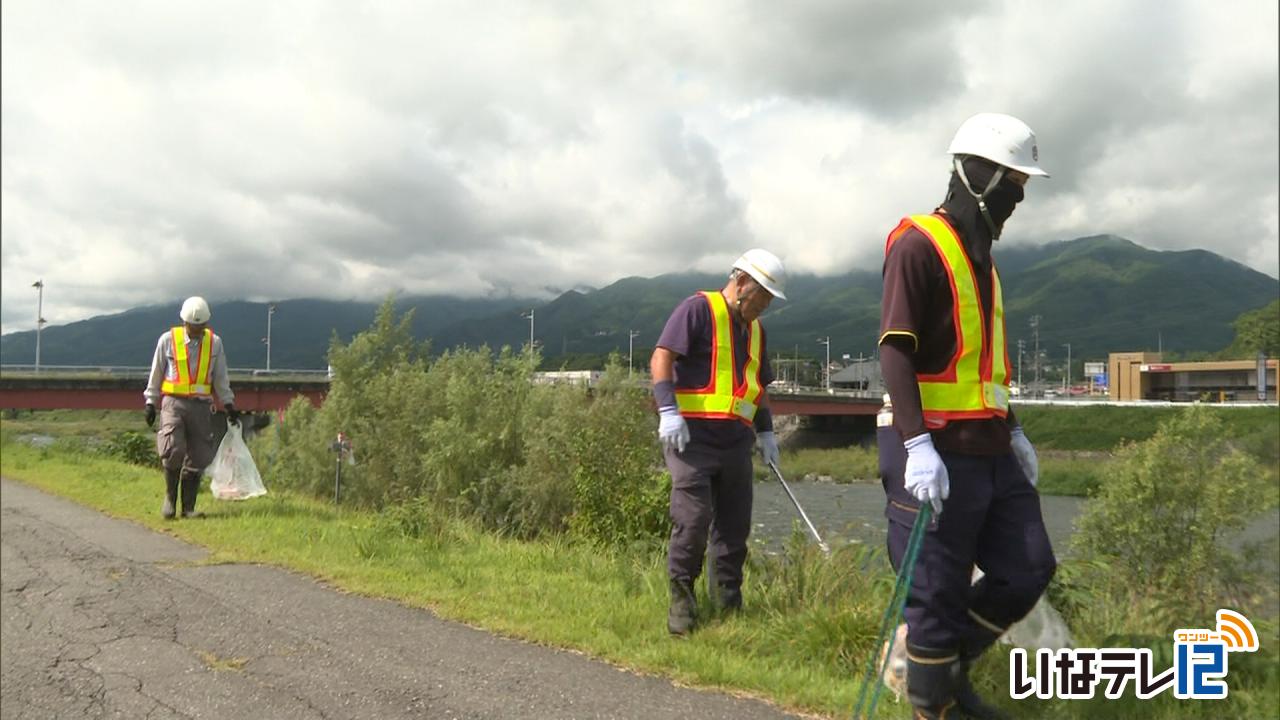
[
  {"x": 170, "y": 494},
  {"x": 931, "y": 676},
  {"x": 683, "y": 614},
  {"x": 190, "y": 489},
  {"x": 730, "y": 598},
  {"x": 982, "y": 635}
]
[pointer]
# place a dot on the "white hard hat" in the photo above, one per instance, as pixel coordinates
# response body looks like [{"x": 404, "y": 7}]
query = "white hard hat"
[
  {"x": 1002, "y": 139},
  {"x": 766, "y": 268},
  {"x": 195, "y": 311}
]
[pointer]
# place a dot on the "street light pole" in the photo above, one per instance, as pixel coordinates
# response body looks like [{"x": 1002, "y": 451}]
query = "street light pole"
[
  {"x": 826, "y": 340},
  {"x": 1067, "y": 379},
  {"x": 271, "y": 310},
  {"x": 631, "y": 336},
  {"x": 530, "y": 317},
  {"x": 1021, "y": 347},
  {"x": 39, "y": 286}
]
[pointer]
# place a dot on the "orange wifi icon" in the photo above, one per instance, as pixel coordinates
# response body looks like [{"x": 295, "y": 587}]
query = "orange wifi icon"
[{"x": 1236, "y": 631}]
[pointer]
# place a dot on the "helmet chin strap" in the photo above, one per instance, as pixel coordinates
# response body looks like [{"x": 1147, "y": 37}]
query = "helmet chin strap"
[{"x": 982, "y": 205}]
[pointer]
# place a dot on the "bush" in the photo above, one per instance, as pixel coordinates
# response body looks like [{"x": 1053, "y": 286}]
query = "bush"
[
  {"x": 472, "y": 436},
  {"x": 132, "y": 447},
  {"x": 620, "y": 491},
  {"x": 1154, "y": 532}
]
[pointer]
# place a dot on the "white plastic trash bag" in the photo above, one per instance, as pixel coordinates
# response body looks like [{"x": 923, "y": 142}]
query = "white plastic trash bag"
[
  {"x": 232, "y": 475},
  {"x": 1043, "y": 627}
]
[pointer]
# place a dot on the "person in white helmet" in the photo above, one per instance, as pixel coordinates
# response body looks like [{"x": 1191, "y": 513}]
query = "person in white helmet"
[
  {"x": 710, "y": 376},
  {"x": 188, "y": 367},
  {"x": 954, "y": 442}
]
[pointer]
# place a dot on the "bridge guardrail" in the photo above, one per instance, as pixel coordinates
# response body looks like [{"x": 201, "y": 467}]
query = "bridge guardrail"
[{"x": 142, "y": 371}]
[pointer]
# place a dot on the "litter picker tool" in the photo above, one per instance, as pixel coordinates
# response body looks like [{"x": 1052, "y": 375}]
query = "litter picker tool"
[{"x": 814, "y": 531}]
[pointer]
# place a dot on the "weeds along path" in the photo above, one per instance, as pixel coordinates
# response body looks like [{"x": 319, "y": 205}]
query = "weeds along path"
[{"x": 104, "y": 618}]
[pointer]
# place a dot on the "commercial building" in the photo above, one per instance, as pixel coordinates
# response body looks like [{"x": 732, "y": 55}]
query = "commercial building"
[{"x": 1144, "y": 376}]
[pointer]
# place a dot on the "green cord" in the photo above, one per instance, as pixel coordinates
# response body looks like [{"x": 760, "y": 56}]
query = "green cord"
[{"x": 892, "y": 616}]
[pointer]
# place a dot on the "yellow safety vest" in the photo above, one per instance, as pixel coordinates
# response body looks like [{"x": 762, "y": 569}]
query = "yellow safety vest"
[
  {"x": 720, "y": 398},
  {"x": 186, "y": 383},
  {"x": 972, "y": 386}
]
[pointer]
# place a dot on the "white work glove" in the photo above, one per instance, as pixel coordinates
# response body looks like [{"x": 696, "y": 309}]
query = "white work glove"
[
  {"x": 768, "y": 447},
  {"x": 673, "y": 431},
  {"x": 1026, "y": 455},
  {"x": 926, "y": 475}
]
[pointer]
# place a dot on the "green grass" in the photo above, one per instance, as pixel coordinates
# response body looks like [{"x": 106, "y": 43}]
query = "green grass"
[
  {"x": 1068, "y": 473},
  {"x": 94, "y": 425},
  {"x": 1105, "y": 427},
  {"x": 803, "y": 638},
  {"x": 842, "y": 465}
]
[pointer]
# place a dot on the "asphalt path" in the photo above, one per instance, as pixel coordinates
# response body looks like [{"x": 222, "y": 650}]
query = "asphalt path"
[{"x": 103, "y": 618}]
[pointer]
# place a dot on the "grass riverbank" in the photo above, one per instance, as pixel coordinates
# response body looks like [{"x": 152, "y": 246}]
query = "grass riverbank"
[{"x": 804, "y": 636}]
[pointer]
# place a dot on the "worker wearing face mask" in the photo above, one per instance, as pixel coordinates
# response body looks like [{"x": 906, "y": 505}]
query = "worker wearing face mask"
[{"x": 952, "y": 440}]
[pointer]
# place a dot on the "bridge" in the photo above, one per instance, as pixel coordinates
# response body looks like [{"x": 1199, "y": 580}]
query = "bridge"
[
  {"x": 94, "y": 388},
  {"x": 82, "y": 388}
]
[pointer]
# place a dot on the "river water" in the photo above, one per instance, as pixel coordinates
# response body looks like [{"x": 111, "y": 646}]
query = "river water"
[{"x": 855, "y": 513}]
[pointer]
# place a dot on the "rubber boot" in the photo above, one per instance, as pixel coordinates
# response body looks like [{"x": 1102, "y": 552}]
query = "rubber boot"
[
  {"x": 190, "y": 489},
  {"x": 683, "y": 614},
  {"x": 170, "y": 494},
  {"x": 730, "y": 599},
  {"x": 968, "y": 702},
  {"x": 931, "y": 676}
]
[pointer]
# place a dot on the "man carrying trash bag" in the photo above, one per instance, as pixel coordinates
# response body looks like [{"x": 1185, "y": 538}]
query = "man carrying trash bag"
[
  {"x": 952, "y": 441},
  {"x": 189, "y": 365}
]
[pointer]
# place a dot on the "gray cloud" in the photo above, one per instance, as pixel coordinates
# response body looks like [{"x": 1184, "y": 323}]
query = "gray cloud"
[{"x": 243, "y": 150}]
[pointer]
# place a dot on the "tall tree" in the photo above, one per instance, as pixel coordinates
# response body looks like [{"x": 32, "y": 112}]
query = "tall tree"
[{"x": 1256, "y": 330}]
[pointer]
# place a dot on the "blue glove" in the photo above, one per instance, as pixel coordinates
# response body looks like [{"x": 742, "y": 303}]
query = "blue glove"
[
  {"x": 673, "y": 431},
  {"x": 768, "y": 447},
  {"x": 926, "y": 475},
  {"x": 1026, "y": 455}
]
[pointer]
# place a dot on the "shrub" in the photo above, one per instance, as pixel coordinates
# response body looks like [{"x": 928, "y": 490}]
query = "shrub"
[
  {"x": 1156, "y": 528},
  {"x": 132, "y": 447},
  {"x": 472, "y": 436},
  {"x": 620, "y": 491}
]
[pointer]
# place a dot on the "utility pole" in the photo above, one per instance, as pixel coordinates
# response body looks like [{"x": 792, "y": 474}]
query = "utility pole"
[
  {"x": 1035, "y": 333},
  {"x": 39, "y": 286},
  {"x": 271, "y": 310},
  {"x": 826, "y": 383},
  {"x": 1067, "y": 378},
  {"x": 631, "y": 336},
  {"x": 1021, "y": 346},
  {"x": 530, "y": 318}
]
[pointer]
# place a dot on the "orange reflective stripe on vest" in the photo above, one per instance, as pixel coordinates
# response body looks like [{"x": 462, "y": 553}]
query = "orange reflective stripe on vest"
[
  {"x": 720, "y": 399},
  {"x": 184, "y": 384},
  {"x": 973, "y": 385}
]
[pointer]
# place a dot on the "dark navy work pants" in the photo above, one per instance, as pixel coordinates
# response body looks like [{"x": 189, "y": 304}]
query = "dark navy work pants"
[
  {"x": 710, "y": 496},
  {"x": 992, "y": 520}
]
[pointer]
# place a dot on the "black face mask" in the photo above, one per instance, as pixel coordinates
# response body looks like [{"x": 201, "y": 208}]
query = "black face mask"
[{"x": 963, "y": 209}]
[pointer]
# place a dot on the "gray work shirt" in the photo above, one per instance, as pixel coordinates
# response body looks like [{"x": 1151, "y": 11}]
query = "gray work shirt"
[{"x": 162, "y": 361}]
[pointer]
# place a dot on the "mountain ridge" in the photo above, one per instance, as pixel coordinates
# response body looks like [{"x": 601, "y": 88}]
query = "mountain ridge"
[{"x": 1100, "y": 294}]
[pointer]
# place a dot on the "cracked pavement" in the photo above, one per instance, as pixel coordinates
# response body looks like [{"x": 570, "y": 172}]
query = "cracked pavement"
[{"x": 102, "y": 618}]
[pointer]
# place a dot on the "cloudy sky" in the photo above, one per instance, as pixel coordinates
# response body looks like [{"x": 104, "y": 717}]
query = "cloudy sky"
[{"x": 288, "y": 149}]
